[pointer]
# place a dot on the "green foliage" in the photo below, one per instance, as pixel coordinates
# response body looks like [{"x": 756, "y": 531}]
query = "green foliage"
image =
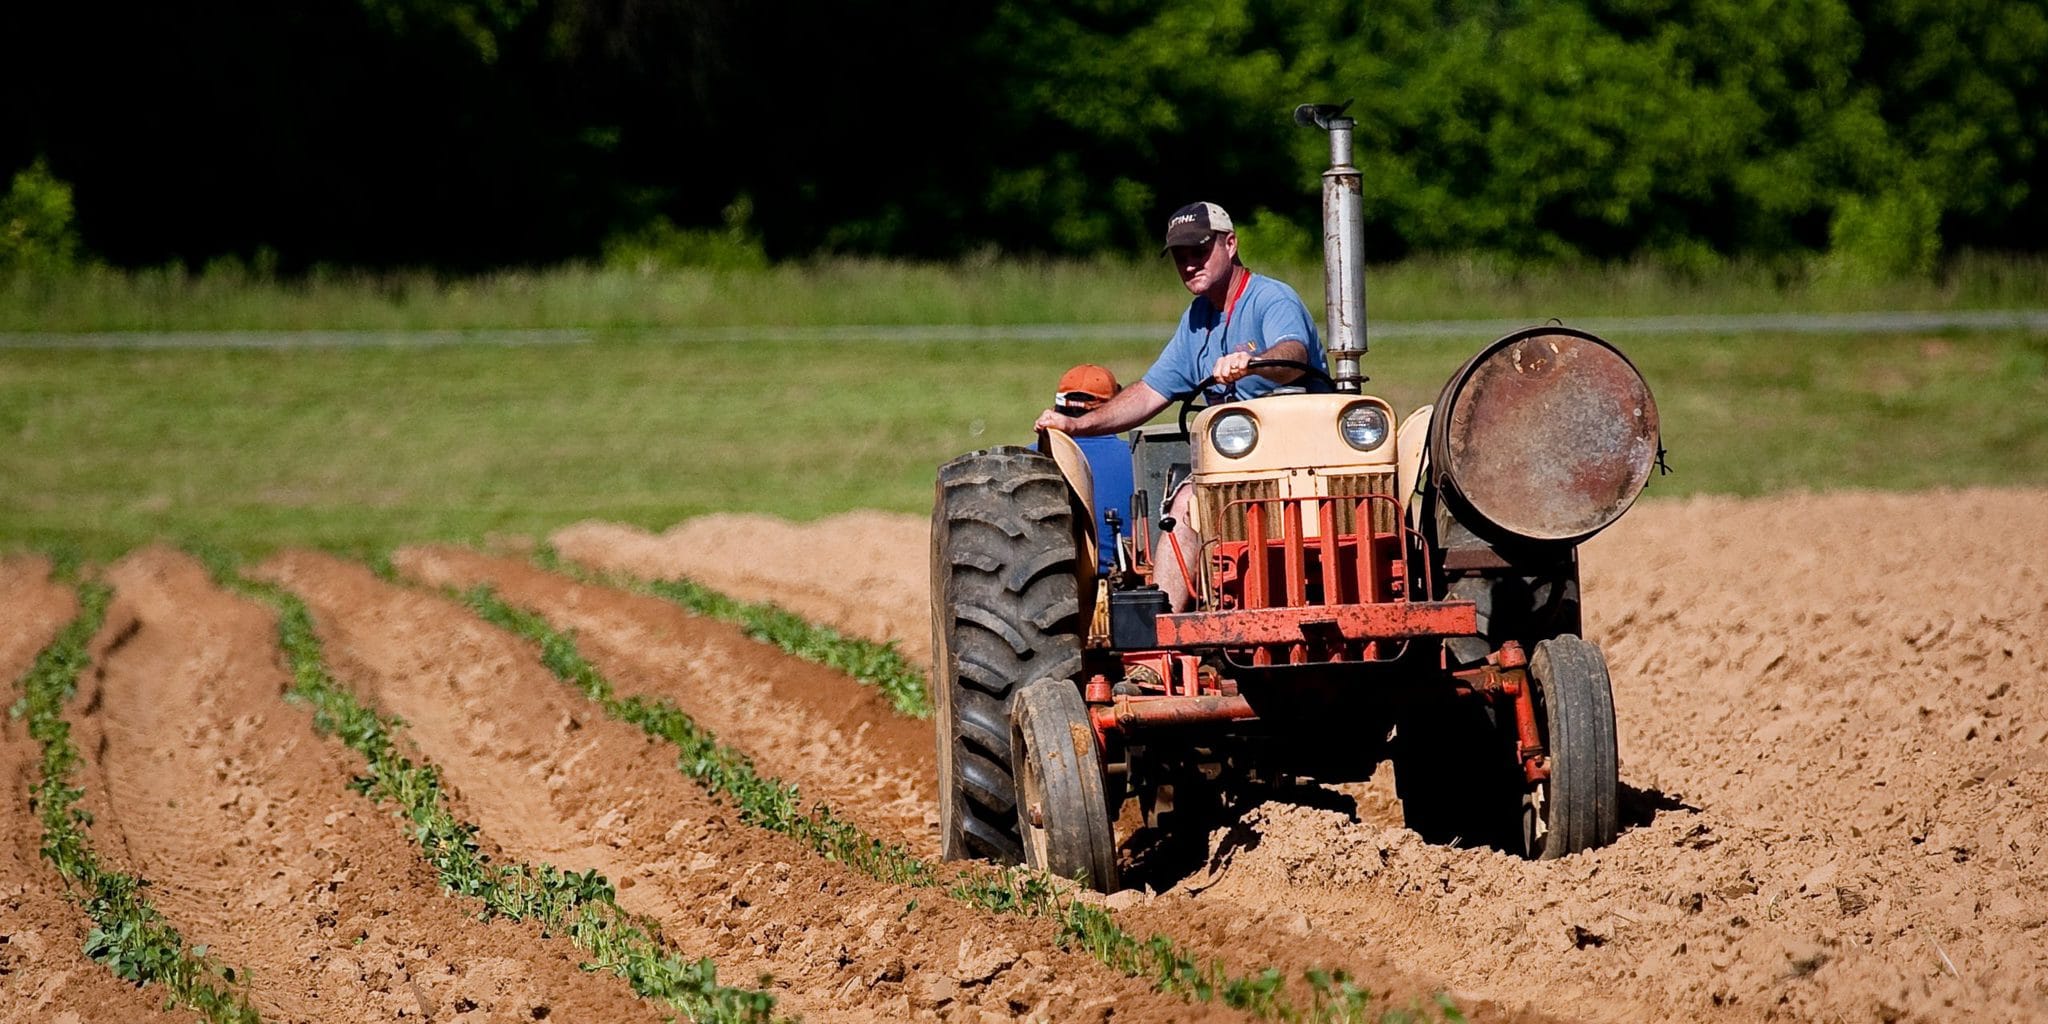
[
  {"x": 1886, "y": 236},
  {"x": 583, "y": 906},
  {"x": 1960, "y": 84},
  {"x": 1268, "y": 239},
  {"x": 660, "y": 245},
  {"x": 768, "y": 803},
  {"x": 481, "y": 24},
  {"x": 1690, "y": 130},
  {"x": 37, "y": 236},
  {"x": 128, "y": 935}
]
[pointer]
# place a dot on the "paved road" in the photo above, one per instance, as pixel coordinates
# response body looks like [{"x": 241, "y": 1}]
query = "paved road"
[{"x": 1615, "y": 327}]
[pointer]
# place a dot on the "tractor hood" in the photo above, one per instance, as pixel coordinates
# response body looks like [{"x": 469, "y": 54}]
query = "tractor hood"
[{"x": 1290, "y": 432}]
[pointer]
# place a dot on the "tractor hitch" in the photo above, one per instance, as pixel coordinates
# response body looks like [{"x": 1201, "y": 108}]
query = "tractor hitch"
[{"x": 1505, "y": 677}]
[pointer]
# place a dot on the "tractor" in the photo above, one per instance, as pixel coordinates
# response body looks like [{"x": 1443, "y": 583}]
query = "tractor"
[{"x": 1365, "y": 590}]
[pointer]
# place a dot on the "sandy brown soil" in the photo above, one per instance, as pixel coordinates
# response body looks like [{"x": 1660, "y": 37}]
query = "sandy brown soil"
[
  {"x": 45, "y": 975},
  {"x": 869, "y": 584},
  {"x": 837, "y": 741},
  {"x": 206, "y": 782},
  {"x": 1834, "y": 753},
  {"x": 546, "y": 775}
]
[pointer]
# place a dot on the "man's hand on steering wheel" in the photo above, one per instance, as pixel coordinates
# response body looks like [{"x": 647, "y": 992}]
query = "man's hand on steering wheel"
[
  {"x": 1187, "y": 398},
  {"x": 1232, "y": 367}
]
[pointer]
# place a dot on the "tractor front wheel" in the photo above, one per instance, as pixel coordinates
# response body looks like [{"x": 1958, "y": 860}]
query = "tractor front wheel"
[
  {"x": 1062, "y": 815},
  {"x": 1578, "y": 808}
]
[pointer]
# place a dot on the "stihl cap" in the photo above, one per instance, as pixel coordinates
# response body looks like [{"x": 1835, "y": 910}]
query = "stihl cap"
[{"x": 1195, "y": 224}]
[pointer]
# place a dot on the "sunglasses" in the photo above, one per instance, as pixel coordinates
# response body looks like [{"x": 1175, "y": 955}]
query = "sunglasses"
[{"x": 1077, "y": 399}]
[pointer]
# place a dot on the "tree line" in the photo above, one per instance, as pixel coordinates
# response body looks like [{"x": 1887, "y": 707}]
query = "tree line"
[{"x": 468, "y": 134}]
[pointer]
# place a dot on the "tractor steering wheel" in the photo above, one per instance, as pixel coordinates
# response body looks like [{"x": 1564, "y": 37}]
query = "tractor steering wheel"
[{"x": 1187, "y": 399}]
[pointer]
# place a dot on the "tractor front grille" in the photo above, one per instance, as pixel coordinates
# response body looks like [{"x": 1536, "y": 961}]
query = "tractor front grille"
[
  {"x": 1226, "y": 520},
  {"x": 1359, "y": 485},
  {"x": 1226, "y": 515}
]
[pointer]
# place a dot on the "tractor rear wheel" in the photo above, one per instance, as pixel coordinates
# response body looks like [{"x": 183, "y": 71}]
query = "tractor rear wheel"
[
  {"x": 1579, "y": 807},
  {"x": 1062, "y": 815},
  {"x": 1005, "y": 611}
]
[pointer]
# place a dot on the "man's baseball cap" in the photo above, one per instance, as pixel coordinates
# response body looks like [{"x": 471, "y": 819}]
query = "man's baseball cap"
[
  {"x": 1085, "y": 387},
  {"x": 1194, "y": 223}
]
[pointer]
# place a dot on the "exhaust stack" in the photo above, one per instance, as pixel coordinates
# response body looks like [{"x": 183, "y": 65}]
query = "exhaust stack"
[{"x": 1343, "y": 245}]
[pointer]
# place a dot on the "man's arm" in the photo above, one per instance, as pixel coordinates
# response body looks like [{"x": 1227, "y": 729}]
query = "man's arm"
[
  {"x": 1131, "y": 406},
  {"x": 1234, "y": 366}
]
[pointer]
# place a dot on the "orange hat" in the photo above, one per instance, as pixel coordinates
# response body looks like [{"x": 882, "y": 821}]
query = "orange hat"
[{"x": 1085, "y": 387}]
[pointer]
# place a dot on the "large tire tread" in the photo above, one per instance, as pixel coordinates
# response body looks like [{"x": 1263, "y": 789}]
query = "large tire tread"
[{"x": 1005, "y": 611}]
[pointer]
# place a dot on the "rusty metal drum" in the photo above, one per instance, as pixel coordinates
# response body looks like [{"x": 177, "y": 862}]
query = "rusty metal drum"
[{"x": 1548, "y": 434}]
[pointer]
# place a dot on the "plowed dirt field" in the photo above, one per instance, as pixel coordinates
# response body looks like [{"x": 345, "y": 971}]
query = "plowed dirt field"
[
  {"x": 44, "y": 974},
  {"x": 1834, "y": 737},
  {"x": 1835, "y": 768}
]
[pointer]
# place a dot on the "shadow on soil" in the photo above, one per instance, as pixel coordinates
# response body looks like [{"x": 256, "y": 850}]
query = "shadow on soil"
[{"x": 1640, "y": 807}]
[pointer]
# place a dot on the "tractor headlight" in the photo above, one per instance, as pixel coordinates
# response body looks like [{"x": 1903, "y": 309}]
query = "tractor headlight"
[
  {"x": 1364, "y": 426},
  {"x": 1234, "y": 433}
]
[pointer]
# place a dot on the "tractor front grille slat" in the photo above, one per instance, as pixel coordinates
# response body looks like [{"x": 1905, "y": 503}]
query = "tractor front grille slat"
[
  {"x": 1224, "y": 504},
  {"x": 1226, "y": 520},
  {"x": 1359, "y": 485}
]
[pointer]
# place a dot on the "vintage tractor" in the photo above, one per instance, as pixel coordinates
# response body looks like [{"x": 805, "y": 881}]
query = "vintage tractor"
[{"x": 1363, "y": 592}]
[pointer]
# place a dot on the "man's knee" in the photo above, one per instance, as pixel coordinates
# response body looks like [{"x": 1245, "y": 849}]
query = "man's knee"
[{"x": 1181, "y": 549}]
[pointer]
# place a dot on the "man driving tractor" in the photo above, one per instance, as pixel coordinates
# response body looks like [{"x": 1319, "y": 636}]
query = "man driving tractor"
[
  {"x": 1236, "y": 316},
  {"x": 1365, "y": 594}
]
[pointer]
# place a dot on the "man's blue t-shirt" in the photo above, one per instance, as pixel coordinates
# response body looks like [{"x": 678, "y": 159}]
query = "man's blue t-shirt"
[{"x": 1267, "y": 313}]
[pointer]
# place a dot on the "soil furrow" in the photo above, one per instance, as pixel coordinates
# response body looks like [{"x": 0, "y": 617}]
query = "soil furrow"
[
  {"x": 848, "y": 571},
  {"x": 1833, "y": 746},
  {"x": 649, "y": 647},
  {"x": 44, "y": 972},
  {"x": 222, "y": 794},
  {"x": 541, "y": 770},
  {"x": 801, "y": 722}
]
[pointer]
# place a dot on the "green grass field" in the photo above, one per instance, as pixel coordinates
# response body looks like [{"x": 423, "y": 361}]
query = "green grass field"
[
  {"x": 989, "y": 291},
  {"x": 364, "y": 448}
]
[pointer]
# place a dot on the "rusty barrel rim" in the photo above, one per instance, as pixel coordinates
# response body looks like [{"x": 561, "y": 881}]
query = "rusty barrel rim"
[{"x": 1549, "y": 434}]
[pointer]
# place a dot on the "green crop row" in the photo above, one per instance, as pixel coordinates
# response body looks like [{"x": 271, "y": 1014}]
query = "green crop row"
[
  {"x": 769, "y": 803},
  {"x": 582, "y": 906},
  {"x": 128, "y": 934},
  {"x": 875, "y": 664},
  {"x": 879, "y": 665},
  {"x": 725, "y": 772}
]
